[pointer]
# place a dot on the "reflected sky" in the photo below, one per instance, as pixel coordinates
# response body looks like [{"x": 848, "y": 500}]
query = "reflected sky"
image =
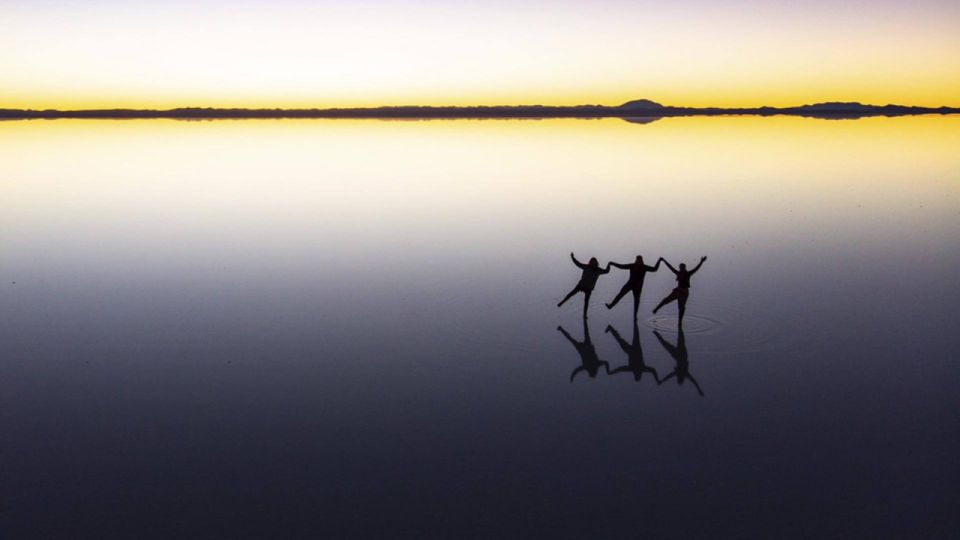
[{"x": 240, "y": 328}]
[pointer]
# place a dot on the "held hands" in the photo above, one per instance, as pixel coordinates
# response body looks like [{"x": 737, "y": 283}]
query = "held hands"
[{"x": 703, "y": 258}]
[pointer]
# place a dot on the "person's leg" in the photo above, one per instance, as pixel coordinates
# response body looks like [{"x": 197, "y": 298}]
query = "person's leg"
[
  {"x": 670, "y": 298},
  {"x": 623, "y": 291},
  {"x": 682, "y": 304},
  {"x": 636, "y": 302},
  {"x": 586, "y": 302},
  {"x": 569, "y": 296}
]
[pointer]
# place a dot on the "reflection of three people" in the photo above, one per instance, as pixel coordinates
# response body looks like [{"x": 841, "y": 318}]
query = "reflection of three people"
[{"x": 590, "y": 362}]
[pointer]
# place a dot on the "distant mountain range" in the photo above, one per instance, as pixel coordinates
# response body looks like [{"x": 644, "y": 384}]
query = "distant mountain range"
[{"x": 635, "y": 108}]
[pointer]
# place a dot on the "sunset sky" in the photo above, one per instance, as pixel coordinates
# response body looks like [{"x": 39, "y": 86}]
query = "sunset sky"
[{"x": 299, "y": 53}]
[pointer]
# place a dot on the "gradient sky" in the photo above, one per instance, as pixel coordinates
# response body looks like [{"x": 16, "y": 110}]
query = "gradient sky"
[{"x": 293, "y": 53}]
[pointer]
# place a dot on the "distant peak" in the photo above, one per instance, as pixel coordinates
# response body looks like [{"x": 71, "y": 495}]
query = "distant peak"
[{"x": 641, "y": 104}]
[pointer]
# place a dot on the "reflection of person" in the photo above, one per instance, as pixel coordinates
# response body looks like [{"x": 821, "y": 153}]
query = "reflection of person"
[
  {"x": 679, "y": 354},
  {"x": 682, "y": 290},
  {"x": 634, "y": 351},
  {"x": 588, "y": 280},
  {"x": 634, "y": 284},
  {"x": 589, "y": 361}
]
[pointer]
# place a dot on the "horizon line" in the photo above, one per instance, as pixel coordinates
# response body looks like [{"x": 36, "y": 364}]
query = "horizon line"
[
  {"x": 640, "y": 102},
  {"x": 637, "y": 107}
]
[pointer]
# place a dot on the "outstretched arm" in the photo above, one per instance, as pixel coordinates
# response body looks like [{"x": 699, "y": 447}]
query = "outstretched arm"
[
  {"x": 655, "y": 267},
  {"x": 576, "y": 370},
  {"x": 697, "y": 267},
  {"x": 576, "y": 262},
  {"x": 606, "y": 270},
  {"x": 620, "y": 266},
  {"x": 666, "y": 262}
]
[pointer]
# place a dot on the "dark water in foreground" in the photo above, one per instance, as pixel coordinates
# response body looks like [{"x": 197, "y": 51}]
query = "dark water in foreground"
[{"x": 347, "y": 329}]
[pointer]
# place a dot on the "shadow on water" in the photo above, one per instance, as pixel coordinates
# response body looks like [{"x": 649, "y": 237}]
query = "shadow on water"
[
  {"x": 589, "y": 361},
  {"x": 679, "y": 353},
  {"x": 634, "y": 351}
]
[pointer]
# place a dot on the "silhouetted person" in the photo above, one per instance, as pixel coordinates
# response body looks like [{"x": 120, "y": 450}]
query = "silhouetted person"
[
  {"x": 589, "y": 361},
  {"x": 638, "y": 271},
  {"x": 588, "y": 280},
  {"x": 634, "y": 351},
  {"x": 682, "y": 290},
  {"x": 679, "y": 354}
]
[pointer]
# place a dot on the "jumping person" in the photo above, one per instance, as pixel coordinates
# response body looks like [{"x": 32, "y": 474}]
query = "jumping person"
[
  {"x": 682, "y": 290},
  {"x": 588, "y": 280},
  {"x": 679, "y": 354},
  {"x": 638, "y": 271}
]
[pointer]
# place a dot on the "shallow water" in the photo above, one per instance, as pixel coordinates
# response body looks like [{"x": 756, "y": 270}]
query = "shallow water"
[{"x": 349, "y": 328}]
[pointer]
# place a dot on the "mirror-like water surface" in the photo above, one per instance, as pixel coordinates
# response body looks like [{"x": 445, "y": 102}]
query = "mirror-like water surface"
[{"x": 349, "y": 328}]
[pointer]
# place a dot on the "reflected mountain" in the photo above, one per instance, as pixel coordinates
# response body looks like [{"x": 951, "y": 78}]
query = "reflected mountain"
[
  {"x": 679, "y": 354},
  {"x": 589, "y": 361},
  {"x": 634, "y": 352},
  {"x": 640, "y": 119}
]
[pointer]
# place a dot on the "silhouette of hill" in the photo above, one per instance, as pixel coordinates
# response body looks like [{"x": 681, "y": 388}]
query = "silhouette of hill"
[
  {"x": 641, "y": 104},
  {"x": 636, "y": 108}
]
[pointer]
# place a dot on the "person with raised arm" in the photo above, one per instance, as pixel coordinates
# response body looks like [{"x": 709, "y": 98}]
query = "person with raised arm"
[
  {"x": 634, "y": 284},
  {"x": 682, "y": 290},
  {"x": 588, "y": 280}
]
